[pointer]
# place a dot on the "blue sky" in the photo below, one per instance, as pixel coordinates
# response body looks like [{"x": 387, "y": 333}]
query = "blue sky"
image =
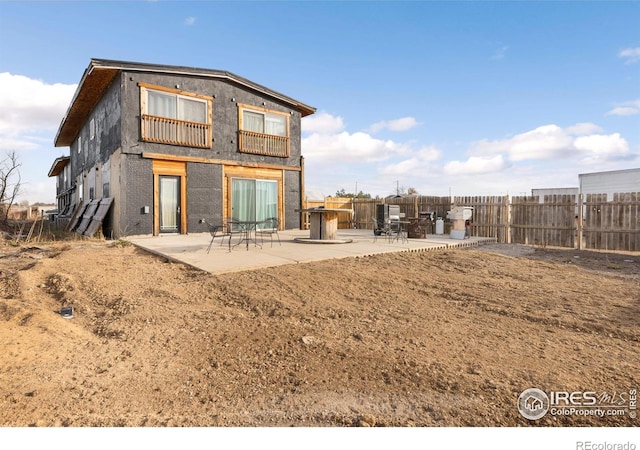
[{"x": 467, "y": 98}]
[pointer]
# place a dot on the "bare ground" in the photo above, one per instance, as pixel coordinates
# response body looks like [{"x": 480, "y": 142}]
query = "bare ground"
[{"x": 448, "y": 338}]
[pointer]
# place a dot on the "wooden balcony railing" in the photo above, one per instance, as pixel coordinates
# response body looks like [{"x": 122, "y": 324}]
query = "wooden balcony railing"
[
  {"x": 263, "y": 144},
  {"x": 176, "y": 132}
]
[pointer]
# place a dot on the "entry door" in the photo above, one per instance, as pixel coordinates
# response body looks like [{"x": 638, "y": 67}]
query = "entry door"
[{"x": 169, "y": 204}]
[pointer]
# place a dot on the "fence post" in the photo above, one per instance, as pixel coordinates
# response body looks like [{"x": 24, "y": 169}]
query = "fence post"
[
  {"x": 507, "y": 226},
  {"x": 580, "y": 220}
]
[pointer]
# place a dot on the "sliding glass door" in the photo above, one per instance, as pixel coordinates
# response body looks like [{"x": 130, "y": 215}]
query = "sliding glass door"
[
  {"x": 254, "y": 199},
  {"x": 266, "y": 201}
]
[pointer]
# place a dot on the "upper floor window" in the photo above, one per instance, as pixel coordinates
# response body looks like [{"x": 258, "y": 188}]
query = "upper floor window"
[
  {"x": 170, "y": 116},
  {"x": 263, "y": 132}
]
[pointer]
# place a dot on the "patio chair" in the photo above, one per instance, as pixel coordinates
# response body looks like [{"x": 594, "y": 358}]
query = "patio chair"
[
  {"x": 270, "y": 227},
  {"x": 230, "y": 231},
  {"x": 377, "y": 231},
  {"x": 215, "y": 231}
]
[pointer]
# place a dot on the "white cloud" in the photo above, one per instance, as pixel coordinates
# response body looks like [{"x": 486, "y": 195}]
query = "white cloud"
[
  {"x": 581, "y": 129},
  {"x": 601, "y": 148},
  {"x": 629, "y": 108},
  {"x": 347, "y": 147},
  {"x": 335, "y": 156},
  {"x": 30, "y": 114},
  {"x": 631, "y": 55},
  {"x": 329, "y": 141},
  {"x": 190, "y": 21},
  {"x": 27, "y": 104},
  {"x": 545, "y": 142},
  {"x": 402, "y": 124},
  {"x": 553, "y": 142},
  {"x": 420, "y": 162},
  {"x": 475, "y": 165},
  {"x": 323, "y": 123}
]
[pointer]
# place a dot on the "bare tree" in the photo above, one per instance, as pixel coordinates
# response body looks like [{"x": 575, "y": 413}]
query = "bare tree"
[{"x": 9, "y": 183}]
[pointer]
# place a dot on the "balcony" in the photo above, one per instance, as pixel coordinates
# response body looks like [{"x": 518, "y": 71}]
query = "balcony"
[
  {"x": 176, "y": 132},
  {"x": 263, "y": 144}
]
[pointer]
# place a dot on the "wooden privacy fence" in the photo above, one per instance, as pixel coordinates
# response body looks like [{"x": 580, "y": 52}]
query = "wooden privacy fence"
[
  {"x": 547, "y": 221},
  {"x": 345, "y": 220},
  {"x": 364, "y": 210},
  {"x": 611, "y": 225},
  {"x": 490, "y": 216},
  {"x": 575, "y": 221}
]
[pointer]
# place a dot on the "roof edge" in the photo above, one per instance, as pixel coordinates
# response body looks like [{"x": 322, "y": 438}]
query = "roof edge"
[
  {"x": 119, "y": 66},
  {"x": 58, "y": 164},
  {"x": 211, "y": 73}
]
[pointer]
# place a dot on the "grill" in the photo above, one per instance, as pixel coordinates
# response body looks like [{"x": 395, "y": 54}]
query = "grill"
[{"x": 385, "y": 213}]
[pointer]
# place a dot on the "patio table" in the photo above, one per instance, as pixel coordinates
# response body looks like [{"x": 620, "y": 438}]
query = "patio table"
[
  {"x": 400, "y": 228},
  {"x": 246, "y": 227}
]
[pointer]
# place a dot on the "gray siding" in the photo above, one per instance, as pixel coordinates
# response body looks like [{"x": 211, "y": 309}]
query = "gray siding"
[
  {"x": 117, "y": 126},
  {"x": 225, "y": 118},
  {"x": 292, "y": 196},
  {"x": 204, "y": 195},
  {"x": 107, "y": 121},
  {"x": 137, "y": 192}
]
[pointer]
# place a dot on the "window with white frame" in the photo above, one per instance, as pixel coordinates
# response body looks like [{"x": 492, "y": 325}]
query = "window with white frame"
[{"x": 175, "y": 117}]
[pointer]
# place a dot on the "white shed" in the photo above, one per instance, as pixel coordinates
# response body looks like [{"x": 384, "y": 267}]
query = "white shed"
[
  {"x": 555, "y": 191},
  {"x": 610, "y": 182}
]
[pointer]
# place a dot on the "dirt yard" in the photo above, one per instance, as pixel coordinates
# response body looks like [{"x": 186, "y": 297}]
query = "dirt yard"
[{"x": 446, "y": 338}]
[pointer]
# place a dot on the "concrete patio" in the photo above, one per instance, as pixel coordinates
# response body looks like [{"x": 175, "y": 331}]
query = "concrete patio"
[{"x": 191, "y": 249}]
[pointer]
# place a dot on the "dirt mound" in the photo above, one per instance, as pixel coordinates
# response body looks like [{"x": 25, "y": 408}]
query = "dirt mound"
[{"x": 448, "y": 338}]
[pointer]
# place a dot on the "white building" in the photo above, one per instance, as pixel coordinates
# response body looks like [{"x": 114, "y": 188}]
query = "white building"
[
  {"x": 555, "y": 191},
  {"x": 610, "y": 182}
]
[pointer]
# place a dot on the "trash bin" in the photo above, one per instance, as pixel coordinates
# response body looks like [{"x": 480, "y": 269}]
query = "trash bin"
[{"x": 439, "y": 226}]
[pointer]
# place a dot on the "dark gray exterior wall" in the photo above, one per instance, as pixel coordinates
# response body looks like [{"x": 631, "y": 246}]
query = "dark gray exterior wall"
[
  {"x": 136, "y": 193},
  {"x": 224, "y": 118},
  {"x": 117, "y": 126},
  {"x": 204, "y": 195},
  {"x": 107, "y": 139},
  {"x": 292, "y": 198},
  {"x": 204, "y": 181}
]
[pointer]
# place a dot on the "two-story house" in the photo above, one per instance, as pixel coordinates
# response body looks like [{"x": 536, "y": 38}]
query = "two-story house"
[
  {"x": 65, "y": 203},
  {"x": 173, "y": 145}
]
